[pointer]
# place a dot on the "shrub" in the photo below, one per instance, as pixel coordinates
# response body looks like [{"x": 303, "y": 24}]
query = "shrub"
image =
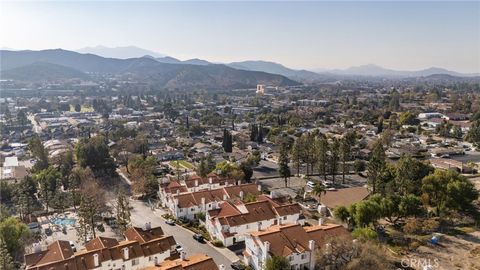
[
  {"x": 217, "y": 243},
  {"x": 418, "y": 226},
  {"x": 412, "y": 226},
  {"x": 364, "y": 234},
  {"x": 430, "y": 225}
]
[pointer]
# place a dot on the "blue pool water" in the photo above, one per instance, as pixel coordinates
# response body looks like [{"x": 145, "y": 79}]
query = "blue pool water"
[{"x": 64, "y": 221}]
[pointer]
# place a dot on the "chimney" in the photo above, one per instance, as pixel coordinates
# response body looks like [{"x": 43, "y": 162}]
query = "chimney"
[
  {"x": 241, "y": 195},
  {"x": 267, "y": 246},
  {"x": 148, "y": 226},
  {"x": 225, "y": 197},
  {"x": 222, "y": 267},
  {"x": 37, "y": 248},
  {"x": 259, "y": 187},
  {"x": 203, "y": 202},
  {"x": 196, "y": 183},
  {"x": 183, "y": 255},
  {"x": 320, "y": 221},
  {"x": 210, "y": 180},
  {"x": 96, "y": 262},
  {"x": 178, "y": 192},
  {"x": 311, "y": 245},
  {"x": 125, "y": 253}
]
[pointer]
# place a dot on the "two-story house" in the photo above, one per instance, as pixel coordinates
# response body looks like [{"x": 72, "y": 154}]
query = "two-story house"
[
  {"x": 296, "y": 243},
  {"x": 233, "y": 220},
  {"x": 141, "y": 248}
]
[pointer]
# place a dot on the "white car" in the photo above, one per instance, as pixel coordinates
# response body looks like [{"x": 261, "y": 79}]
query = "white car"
[
  {"x": 179, "y": 248},
  {"x": 311, "y": 184}
]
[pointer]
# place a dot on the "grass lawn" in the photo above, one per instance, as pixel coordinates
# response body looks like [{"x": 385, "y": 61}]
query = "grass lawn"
[{"x": 182, "y": 163}]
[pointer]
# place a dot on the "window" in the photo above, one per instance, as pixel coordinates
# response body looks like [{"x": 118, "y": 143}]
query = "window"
[
  {"x": 135, "y": 261},
  {"x": 290, "y": 258},
  {"x": 303, "y": 256},
  {"x": 150, "y": 258},
  {"x": 191, "y": 209},
  {"x": 247, "y": 227},
  {"x": 181, "y": 210},
  {"x": 285, "y": 218}
]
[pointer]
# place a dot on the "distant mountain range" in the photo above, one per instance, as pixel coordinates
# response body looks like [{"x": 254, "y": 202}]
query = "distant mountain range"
[
  {"x": 15, "y": 64},
  {"x": 378, "y": 71},
  {"x": 119, "y": 52},
  {"x": 369, "y": 70}
]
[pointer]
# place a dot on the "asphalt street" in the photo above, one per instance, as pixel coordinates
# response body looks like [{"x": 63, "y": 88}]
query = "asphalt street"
[{"x": 142, "y": 213}]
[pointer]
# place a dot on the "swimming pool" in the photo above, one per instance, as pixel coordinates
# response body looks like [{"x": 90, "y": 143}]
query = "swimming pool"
[{"x": 64, "y": 221}]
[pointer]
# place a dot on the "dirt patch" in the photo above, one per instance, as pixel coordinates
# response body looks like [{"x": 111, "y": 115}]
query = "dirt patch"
[{"x": 452, "y": 252}]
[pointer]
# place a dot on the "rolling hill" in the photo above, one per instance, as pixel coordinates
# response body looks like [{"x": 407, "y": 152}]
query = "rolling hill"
[
  {"x": 213, "y": 76},
  {"x": 42, "y": 71}
]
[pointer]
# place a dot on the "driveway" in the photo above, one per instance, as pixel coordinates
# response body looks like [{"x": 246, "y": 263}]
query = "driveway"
[{"x": 142, "y": 213}]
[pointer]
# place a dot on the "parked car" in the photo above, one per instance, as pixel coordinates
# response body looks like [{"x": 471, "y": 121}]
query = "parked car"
[
  {"x": 74, "y": 249},
  {"x": 179, "y": 248},
  {"x": 170, "y": 222},
  {"x": 238, "y": 265},
  {"x": 311, "y": 184},
  {"x": 198, "y": 237},
  {"x": 34, "y": 227}
]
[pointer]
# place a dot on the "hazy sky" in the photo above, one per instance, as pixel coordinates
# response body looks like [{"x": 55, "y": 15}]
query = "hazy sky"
[{"x": 401, "y": 35}]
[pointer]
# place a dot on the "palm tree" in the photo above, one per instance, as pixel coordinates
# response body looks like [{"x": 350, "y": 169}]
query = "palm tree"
[{"x": 318, "y": 190}]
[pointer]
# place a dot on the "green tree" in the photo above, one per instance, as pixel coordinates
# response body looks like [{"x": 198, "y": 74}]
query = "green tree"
[
  {"x": 473, "y": 134},
  {"x": 277, "y": 263},
  {"x": 227, "y": 141},
  {"x": 409, "y": 175},
  {"x": 247, "y": 169},
  {"x": 47, "y": 181},
  {"x": 123, "y": 212},
  {"x": 24, "y": 196},
  {"x": 283, "y": 160},
  {"x": 318, "y": 190},
  {"x": 345, "y": 156},
  {"x": 366, "y": 213},
  {"x": 22, "y": 118},
  {"x": 94, "y": 153},
  {"x": 14, "y": 234},
  {"x": 376, "y": 167},
  {"x": 408, "y": 118},
  {"x": 342, "y": 213},
  {"x": 457, "y": 132},
  {"x": 6, "y": 261},
  {"x": 79, "y": 177},
  {"x": 333, "y": 158},
  {"x": 448, "y": 190},
  {"x": 296, "y": 156},
  {"x": 410, "y": 205},
  {"x": 322, "y": 154},
  {"x": 143, "y": 180},
  {"x": 39, "y": 152},
  {"x": 78, "y": 107},
  {"x": 202, "y": 169}
]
